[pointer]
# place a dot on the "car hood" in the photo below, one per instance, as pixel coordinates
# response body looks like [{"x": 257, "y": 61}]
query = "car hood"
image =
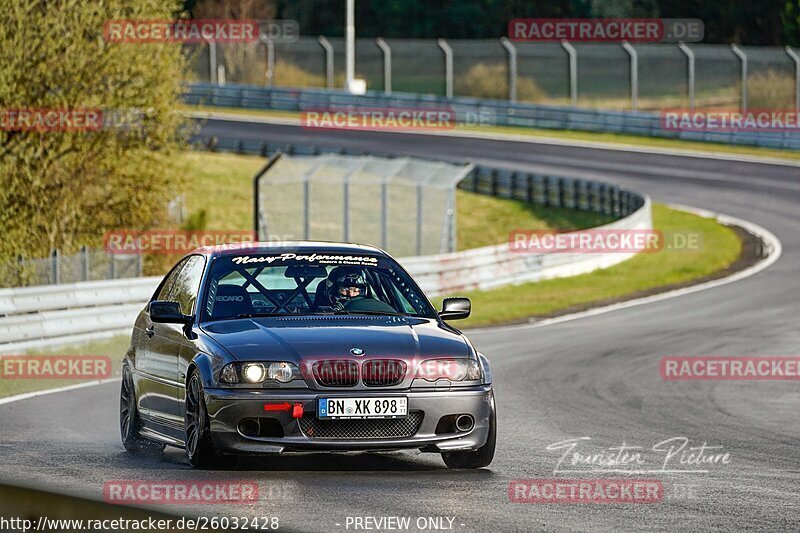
[{"x": 297, "y": 339}]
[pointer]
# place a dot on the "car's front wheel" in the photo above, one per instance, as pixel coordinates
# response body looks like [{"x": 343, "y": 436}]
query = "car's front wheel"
[
  {"x": 129, "y": 423},
  {"x": 199, "y": 447},
  {"x": 475, "y": 458}
]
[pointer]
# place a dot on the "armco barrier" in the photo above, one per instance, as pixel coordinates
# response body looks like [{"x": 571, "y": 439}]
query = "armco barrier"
[
  {"x": 57, "y": 314},
  {"x": 478, "y": 111},
  {"x": 495, "y": 266}
]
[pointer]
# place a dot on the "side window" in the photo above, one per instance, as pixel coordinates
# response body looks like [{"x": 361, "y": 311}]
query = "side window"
[
  {"x": 187, "y": 284},
  {"x": 166, "y": 289}
]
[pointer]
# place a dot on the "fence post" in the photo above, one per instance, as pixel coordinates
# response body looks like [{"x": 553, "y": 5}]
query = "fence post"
[
  {"x": 387, "y": 64},
  {"x": 448, "y": 67},
  {"x": 306, "y": 208},
  {"x": 690, "y": 75},
  {"x": 328, "y": 48},
  {"x": 743, "y": 59},
  {"x": 451, "y": 221},
  {"x": 573, "y": 72},
  {"x": 384, "y": 216},
  {"x": 791, "y": 53},
  {"x": 55, "y": 275},
  {"x": 512, "y": 68},
  {"x": 84, "y": 264},
  {"x": 346, "y": 209},
  {"x": 419, "y": 220},
  {"x": 634, "y": 74},
  {"x": 349, "y": 44},
  {"x": 212, "y": 61},
  {"x": 270, "y": 73}
]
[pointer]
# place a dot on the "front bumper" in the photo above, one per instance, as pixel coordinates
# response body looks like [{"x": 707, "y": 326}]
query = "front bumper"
[{"x": 228, "y": 407}]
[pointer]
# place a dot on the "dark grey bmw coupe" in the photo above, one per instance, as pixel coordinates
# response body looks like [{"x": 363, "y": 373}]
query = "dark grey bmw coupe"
[{"x": 264, "y": 349}]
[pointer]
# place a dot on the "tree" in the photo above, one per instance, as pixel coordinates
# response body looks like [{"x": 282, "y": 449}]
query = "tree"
[
  {"x": 244, "y": 62},
  {"x": 64, "y": 189},
  {"x": 791, "y": 22}
]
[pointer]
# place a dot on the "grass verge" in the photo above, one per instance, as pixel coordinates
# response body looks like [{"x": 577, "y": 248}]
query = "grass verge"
[
  {"x": 484, "y": 220},
  {"x": 719, "y": 248},
  {"x": 481, "y": 220},
  {"x": 113, "y": 347}
]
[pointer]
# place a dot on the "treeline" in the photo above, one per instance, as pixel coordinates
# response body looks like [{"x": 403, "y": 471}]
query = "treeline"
[
  {"x": 749, "y": 22},
  {"x": 104, "y": 159}
]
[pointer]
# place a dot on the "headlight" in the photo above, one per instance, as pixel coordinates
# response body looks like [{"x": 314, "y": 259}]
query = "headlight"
[
  {"x": 282, "y": 372},
  {"x": 254, "y": 372},
  {"x": 452, "y": 369},
  {"x": 229, "y": 374}
]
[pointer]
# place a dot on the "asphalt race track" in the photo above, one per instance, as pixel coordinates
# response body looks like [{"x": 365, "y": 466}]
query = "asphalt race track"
[{"x": 595, "y": 377}]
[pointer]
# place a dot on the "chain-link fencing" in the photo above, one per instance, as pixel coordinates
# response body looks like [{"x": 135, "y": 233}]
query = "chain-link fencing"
[
  {"x": 404, "y": 205},
  {"x": 643, "y": 76},
  {"x": 86, "y": 265}
]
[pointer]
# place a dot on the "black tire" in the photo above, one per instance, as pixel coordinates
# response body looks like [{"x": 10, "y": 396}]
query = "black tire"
[
  {"x": 476, "y": 458},
  {"x": 129, "y": 423},
  {"x": 199, "y": 447}
]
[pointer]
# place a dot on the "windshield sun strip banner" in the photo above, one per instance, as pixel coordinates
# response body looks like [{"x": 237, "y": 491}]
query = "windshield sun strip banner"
[{"x": 315, "y": 258}]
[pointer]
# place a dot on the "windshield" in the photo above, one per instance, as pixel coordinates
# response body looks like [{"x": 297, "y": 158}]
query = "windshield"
[{"x": 309, "y": 284}]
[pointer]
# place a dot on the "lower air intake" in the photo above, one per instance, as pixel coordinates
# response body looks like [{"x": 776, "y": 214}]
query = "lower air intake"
[{"x": 358, "y": 429}]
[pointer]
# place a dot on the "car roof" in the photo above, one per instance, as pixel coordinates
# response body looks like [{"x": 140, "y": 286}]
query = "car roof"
[{"x": 279, "y": 247}]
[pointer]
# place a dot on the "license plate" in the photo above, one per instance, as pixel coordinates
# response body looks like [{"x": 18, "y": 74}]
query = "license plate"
[{"x": 393, "y": 407}]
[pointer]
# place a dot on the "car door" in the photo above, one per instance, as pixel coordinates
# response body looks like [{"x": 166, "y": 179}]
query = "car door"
[
  {"x": 149, "y": 361},
  {"x": 163, "y": 343},
  {"x": 186, "y": 294}
]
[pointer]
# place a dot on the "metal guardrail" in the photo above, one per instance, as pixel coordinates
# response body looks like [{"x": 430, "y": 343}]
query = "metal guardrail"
[
  {"x": 495, "y": 266},
  {"x": 548, "y": 190},
  {"x": 58, "y": 314},
  {"x": 479, "y": 111}
]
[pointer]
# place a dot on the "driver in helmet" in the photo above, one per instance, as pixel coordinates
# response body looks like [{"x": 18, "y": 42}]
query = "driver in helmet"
[{"x": 345, "y": 285}]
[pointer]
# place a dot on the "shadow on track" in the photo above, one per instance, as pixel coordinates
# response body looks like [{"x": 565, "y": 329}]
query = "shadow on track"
[{"x": 294, "y": 462}]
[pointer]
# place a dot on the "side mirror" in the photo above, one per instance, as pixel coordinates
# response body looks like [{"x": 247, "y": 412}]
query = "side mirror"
[
  {"x": 455, "y": 308},
  {"x": 167, "y": 313}
]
